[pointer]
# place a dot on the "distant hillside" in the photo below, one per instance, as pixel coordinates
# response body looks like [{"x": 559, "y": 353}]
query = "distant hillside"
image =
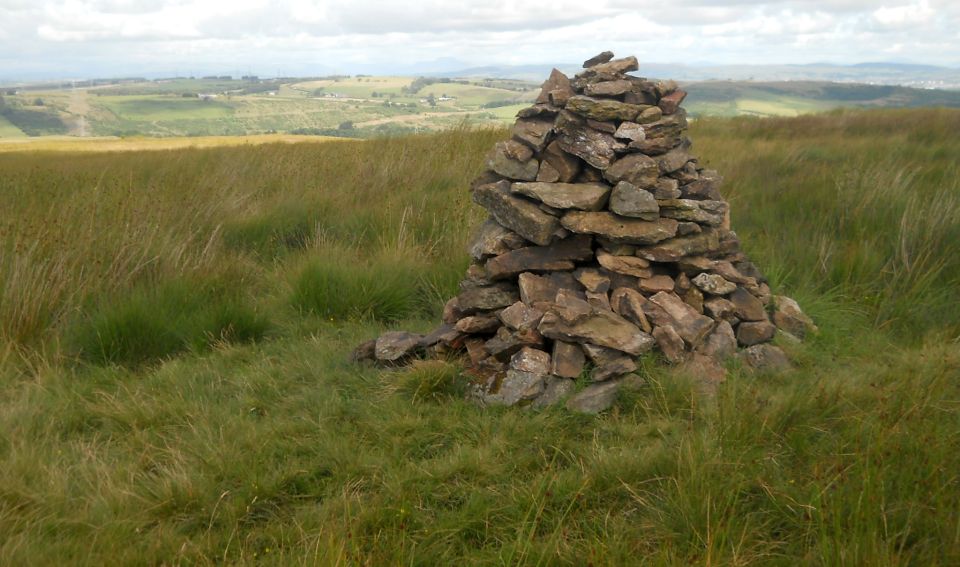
[{"x": 790, "y": 98}]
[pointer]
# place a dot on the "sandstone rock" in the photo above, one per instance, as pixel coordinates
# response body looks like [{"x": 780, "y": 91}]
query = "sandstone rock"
[
  {"x": 520, "y": 316},
  {"x": 556, "y": 390},
  {"x": 506, "y": 342},
  {"x": 568, "y": 359},
  {"x": 452, "y": 311},
  {"x": 478, "y": 324},
  {"x": 689, "y": 324},
  {"x": 746, "y": 306},
  {"x": 547, "y": 173},
  {"x": 395, "y": 346},
  {"x": 508, "y": 160},
  {"x": 516, "y": 387},
  {"x": 666, "y": 189},
  {"x": 594, "y": 398},
  {"x": 693, "y": 265},
  {"x": 476, "y": 351},
  {"x": 711, "y": 213},
  {"x": 788, "y": 316},
  {"x": 580, "y": 196},
  {"x": 606, "y": 127},
  {"x": 755, "y": 332},
  {"x": 517, "y": 214},
  {"x": 536, "y": 289},
  {"x": 557, "y": 256},
  {"x": 598, "y": 300},
  {"x": 616, "y": 248},
  {"x": 476, "y": 276},
  {"x": 721, "y": 343},
  {"x": 601, "y": 57},
  {"x": 566, "y": 165},
  {"x": 556, "y": 81},
  {"x": 534, "y": 132},
  {"x": 707, "y": 186},
  {"x": 576, "y": 138},
  {"x": 673, "y": 160},
  {"x": 592, "y": 280},
  {"x": 688, "y": 228},
  {"x": 446, "y": 334},
  {"x": 544, "y": 110},
  {"x": 603, "y": 109},
  {"x": 721, "y": 309},
  {"x": 656, "y": 284},
  {"x": 628, "y": 200},
  {"x": 714, "y": 284},
  {"x": 531, "y": 360},
  {"x": 616, "y": 66},
  {"x": 629, "y": 265},
  {"x": 608, "y": 88},
  {"x": 629, "y": 303},
  {"x": 567, "y": 322},
  {"x": 630, "y": 131},
  {"x": 671, "y": 102},
  {"x": 731, "y": 273},
  {"x": 670, "y": 342},
  {"x": 491, "y": 239},
  {"x": 614, "y": 369},
  {"x": 694, "y": 298},
  {"x": 638, "y": 169},
  {"x": 765, "y": 357},
  {"x": 619, "y": 229},
  {"x": 674, "y": 249},
  {"x": 487, "y": 298},
  {"x": 650, "y": 115},
  {"x": 706, "y": 370}
]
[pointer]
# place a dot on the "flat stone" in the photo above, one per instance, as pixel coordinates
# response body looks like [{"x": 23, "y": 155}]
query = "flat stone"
[
  {"x": 671, "y": 102},
  {"x": 536, "y": 289},
  {"x": 788, "y": 316},
  {"x": 606, "y": 127},
  {"x": 622, "y": 230},
  {"x": 520, "y": 316},
  {"x": 670, "y": 343},
  {"x": 638, "y": 169},
  {"x": 476, "y": 276},
  {"x": 615, "y": 67},
  {"x": 714, "y": 284},
  {"x": 557, "y": 82},
  {"x": 628, "y": 303},
  {"x": 487, "y": 298},
  {"x": 630, "y": 131},
  {"x": 707, "y": 186},
  {"x": 608, "y": 363},
  {"x": 721, "y": 309},
  {"x": 395, "y": 346},
  {"x": 598, "y": 300},
  {"x": 710, "y": 213},
  {"x": 666, "y": 188},
  {"x": 673, "y": 160},
  {"x": 556, "y": 390},
  {"x": 604, "y": 110},
  {"x": 765, "y": 357},
  {"x": 506, "y": 160},
  {"x": 628, "y": 200},
  {"x": 688, "y": 228},
  {"x": 608, "y": 88},
  {"x": 656, "y": 284},
  {"x": 629, "y": 265},
  {"x": 365, "y": 352},
  {"x": 444, "y": 334},
  {"x": 593, "y": 280},
  {"x": 650, "y": 115},
  {"x": 746, "y": 306},
  {"x": 675, "y": 249},
  {"x": 694, "y": 298},
  {"x": 594, "y": 398},
  {"x": 516, "y": 387},
  {"x": 721, "y": 343},
  {"x": 491, "y": 239},
  {"x": 452, "y": 311},
  {"x": 689, "y": 324},
  {"x": 755, "y": 332},
  {"x": 568, "y": 359},
  {"x": 531, "y": 360},
  {"x": 574, "y": 137},
  {"x": 516, "y": 213},
  {"x": 566, "y": 165},
  {"x": 587, "y": 324},
  {"x": 602, "y": 57},
  {"x": 506, "y": 342},
  {"x": 478, "y": 324},
  {"x": 547, "y": 173},
  {"x": 534, "y": 132},
  {"x": 540, "y": 110},
  {"x": 555, "y": 257},
  {"x": 580, "y": 196}
]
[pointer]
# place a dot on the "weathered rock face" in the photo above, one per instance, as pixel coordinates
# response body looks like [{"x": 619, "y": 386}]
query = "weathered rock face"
[{"x": 606, "y": 239}]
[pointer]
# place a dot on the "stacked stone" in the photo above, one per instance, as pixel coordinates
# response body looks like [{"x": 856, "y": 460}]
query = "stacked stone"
[{"x": 606, "y": 240}]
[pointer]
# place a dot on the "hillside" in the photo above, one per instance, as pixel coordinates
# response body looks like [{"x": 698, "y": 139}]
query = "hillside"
[{"x": 175, "y": 389}]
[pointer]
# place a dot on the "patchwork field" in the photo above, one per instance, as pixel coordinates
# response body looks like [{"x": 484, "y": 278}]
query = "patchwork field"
[{"x": 175, "y": 389}]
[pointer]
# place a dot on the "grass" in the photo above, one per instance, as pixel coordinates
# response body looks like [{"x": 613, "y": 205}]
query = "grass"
[
  {"x": 8, "y": 130},
  {"x": 173, "y": 390}
]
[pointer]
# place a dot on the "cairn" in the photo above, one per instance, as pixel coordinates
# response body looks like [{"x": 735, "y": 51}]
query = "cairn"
[{"x": 606, "y": 240}]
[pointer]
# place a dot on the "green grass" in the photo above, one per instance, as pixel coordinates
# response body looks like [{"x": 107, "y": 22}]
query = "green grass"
[
  {"x": 173, "y": 390},
  {"x": 144, "y": 108},
  {"x": 8, "y": 130}
]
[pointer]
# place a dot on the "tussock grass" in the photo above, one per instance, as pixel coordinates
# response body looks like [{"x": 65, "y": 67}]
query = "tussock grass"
[{"x": 212, "y": 416}]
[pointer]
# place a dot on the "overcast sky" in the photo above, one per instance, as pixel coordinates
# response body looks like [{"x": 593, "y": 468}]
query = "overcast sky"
[{"x": 85, "y": 38}]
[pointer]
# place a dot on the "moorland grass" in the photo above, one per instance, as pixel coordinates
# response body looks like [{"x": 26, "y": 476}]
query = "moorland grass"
[{"x": 269, "y": 447}]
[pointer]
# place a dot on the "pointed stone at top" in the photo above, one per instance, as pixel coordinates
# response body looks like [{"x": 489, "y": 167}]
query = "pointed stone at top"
[{"x": 598, "y": 59}]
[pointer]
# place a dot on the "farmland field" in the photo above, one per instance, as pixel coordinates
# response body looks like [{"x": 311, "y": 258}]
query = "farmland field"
[{"x": 175, "y": 386}]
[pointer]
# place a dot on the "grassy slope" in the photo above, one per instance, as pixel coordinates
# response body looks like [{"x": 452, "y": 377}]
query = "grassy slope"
[{"x": 280, "y": 452}]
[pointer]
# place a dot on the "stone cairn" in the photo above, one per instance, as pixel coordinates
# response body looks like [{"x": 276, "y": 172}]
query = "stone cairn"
[{"x": 606, "y": 240}]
